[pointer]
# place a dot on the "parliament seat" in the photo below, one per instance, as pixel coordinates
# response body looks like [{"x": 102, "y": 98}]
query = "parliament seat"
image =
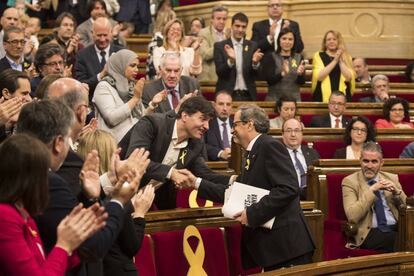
[{"x": 144, "y": 259}]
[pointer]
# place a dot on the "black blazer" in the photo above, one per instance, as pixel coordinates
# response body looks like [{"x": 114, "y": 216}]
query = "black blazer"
[
  {"x": 153, "y": 132},
  {"x": 325, "y": 121},
  {"x": 70, "y": 170},
  {"x": 261, "y": 31},
  {"x": 227, "y": 75},
  {"x": 310, "y": 155},
  {"x": 186, "y": 85},
  {"x": 270, "y": 168},
  {"x": 61, "y": 203},
  {"x": 213, "y": 141},
  {"x": 87, "y": 66},
  {"x": 4, "y": 64}
]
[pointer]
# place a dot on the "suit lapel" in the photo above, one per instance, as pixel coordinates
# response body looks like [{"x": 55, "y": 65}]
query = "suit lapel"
[
  {"x": 216, "y": 130},
  {"x": 250, "y": 161},
  {"x": 166, "y": 138},
  {"x": 164, "y": 105},
  {"x": 306, "y": 154}
]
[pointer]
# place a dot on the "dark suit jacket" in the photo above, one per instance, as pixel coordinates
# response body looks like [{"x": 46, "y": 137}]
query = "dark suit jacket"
[
  {"x": 325, "y": 121},
  {"x": 133, "y": 9},
  {"x": 154, "y": 132},
  {"x": 227, "y": 75},
  {"x": 261, "y": 31},
  {"x": 213, "y": 141},
  {"x": 87, "y": 66},
  {"x": 310, "y": 155},
  {"x": 61, "y": 202},
  {"x": 370, "y": 99},
  {"x": 4, "y": 64},
  {"x": 186, "y": 85},
  {"x": 272, "y": 169},
  {"x": 70, "y": 171}
]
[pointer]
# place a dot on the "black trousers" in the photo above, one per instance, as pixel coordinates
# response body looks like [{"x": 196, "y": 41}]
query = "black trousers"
[
  {"x": 381, "y": 241},
  {"x": 303, "y": 259},
  {"x": 241, "y": 95}
]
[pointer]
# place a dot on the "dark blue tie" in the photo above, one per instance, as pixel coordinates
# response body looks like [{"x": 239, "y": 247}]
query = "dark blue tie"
[
  {"x": 299, "y": 166},
  {"x": 103, "y": 59},
  {"x": 379, "y": 209}
]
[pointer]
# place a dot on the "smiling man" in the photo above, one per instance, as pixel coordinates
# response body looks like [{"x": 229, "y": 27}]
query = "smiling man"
[
  {"x": 175, "y": 145},
  {"x": 371, "y": 201}
]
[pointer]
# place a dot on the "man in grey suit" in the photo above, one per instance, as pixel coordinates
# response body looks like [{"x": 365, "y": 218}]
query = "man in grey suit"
[
  {"x": 97, "y": 8},
  {"x": 380, "y": 89},
  {"x": 302, "y": 156},
  {"x": 176, "y": 85}
]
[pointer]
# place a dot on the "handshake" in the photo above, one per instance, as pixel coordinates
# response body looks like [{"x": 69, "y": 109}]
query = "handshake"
[{"x": 183, "y": 179}]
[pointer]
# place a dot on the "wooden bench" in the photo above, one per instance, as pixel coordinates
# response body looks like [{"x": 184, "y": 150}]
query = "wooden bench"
[
  {"x": 171, "y": 221},
  {"x": 401, "y": 263}
]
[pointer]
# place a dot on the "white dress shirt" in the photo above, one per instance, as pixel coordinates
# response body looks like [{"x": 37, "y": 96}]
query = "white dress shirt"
[
  {"x": 301, "y": 159},
  {"x": 333, "y": 120}
]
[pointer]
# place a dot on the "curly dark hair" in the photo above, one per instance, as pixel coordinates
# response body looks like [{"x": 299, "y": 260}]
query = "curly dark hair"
[
  {"x": 371, "y": 132},
  {"x": 386, "y": 109}
]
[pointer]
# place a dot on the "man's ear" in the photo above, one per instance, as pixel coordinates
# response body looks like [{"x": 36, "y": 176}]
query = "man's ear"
[
  {"x": 6, "y": 93},
  {"x": 58, "y": 145}
]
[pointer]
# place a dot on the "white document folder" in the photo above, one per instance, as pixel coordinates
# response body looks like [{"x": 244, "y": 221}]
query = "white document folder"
[{"x": 239, "y": 196}]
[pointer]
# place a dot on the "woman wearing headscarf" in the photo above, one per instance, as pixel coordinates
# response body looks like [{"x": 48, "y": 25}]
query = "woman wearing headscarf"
[{"x": 117, "y": 96}]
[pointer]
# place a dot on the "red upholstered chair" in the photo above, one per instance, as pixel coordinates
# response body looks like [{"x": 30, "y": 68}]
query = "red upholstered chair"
[
  {"x": 334, "y": 238},
  {"x": 373, "y": 118},
  {"x": 357, "y": 96},
  {"x": 326, "y": 148},
  {"x": 306, "y": 96},
  {"x": 406, "y": 181},
  {"x": 408, "y": 97},
  {"x": 393, "y": 149},
  {"x": 169, "y": 254},
  {"x": 233, "y": 238},
  {"x": 144, "y": 259},
  {"x": 306, "y": 119}
]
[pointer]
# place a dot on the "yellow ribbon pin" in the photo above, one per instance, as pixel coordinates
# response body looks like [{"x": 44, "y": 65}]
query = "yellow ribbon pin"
[
  {"x": 182, "y": 156},
  {"x": 247, "y": 164},
  {"x": 294, "y": 64},
  {"x": 192, "y": 201},
  {"x": 195, "y": 258},
  {"x": 246, "y": 48}
]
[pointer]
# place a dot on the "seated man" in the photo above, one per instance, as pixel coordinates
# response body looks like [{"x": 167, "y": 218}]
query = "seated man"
[
  {"x": 335, "y": 118},
  {"x": 361, "y": 70},
  {"x": 380, "y": 90},
  {"x": 13, "y": 44},
  {"x": 218, "y": 136},
  {"x": 371, "y": 201},
  {"x": 302, "y": 156}
]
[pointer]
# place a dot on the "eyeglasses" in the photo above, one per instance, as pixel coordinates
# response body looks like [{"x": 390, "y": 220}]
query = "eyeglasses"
[
  {"x": 55, "y": 63},
  {"x": 290, "y": 131},
  {"x": 397, "y": 110},
  {"x": 235, "y": 123},
  {"x": 363, "y": 130},
  {"x": 337, "y": 103},
  {"x": 274, "y": 5},
  {"x": 17, "y": 42}
]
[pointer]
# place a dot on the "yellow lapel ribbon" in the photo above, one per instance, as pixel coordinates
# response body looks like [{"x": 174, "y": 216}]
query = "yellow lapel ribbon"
[
  {"x": 182, "y": 156},
  {"x": 194, "y": 259},
  {"x": 294, "y": 64},
  {"x": 246, "y": 48},
  {"x": 192, "y": 201},
  {"x": 247, "y": 164}
]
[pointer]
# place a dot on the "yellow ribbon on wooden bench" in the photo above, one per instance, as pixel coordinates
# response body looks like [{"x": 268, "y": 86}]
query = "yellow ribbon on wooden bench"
[
  {"x": 192, "y": 201},
  {"x": 194, "y": 259}
]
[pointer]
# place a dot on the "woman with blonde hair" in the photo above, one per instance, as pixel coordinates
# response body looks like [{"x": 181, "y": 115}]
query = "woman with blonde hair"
[
  {"x": 332, "y": 69},
  {"x": 173, "y": 41}
]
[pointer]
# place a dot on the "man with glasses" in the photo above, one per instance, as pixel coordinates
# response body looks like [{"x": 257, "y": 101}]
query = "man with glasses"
[
  {"x": 371, "y": 200},
  {"x": 380, "y": 90},
  {"x": 335, "y": 118},
  {"x": 10, "y": 18},
  {"x": 171, "y": 81},
  {"x": 13, "y": 44},
  {"x": 302, "y": 156}
]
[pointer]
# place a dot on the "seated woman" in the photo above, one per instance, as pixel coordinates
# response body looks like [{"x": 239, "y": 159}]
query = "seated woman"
[
  {"x": 358, "y": 131},
  {"x": 119, "y": 260},
  {"x": 117, "y": 96},
  {"x": 395, "y": 110},
  {"x": 332, "y": 69},
  {"x": 286, "y": 107},
  {"x": 284, "y": 69},
  {"x": 23, "y": 195},
  {"x": 173, "y": 41}
]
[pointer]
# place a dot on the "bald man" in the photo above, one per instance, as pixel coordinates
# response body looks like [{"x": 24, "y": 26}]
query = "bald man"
[
  {"x": 10, "y": 18},
  {"x": 90, "y": 66}
]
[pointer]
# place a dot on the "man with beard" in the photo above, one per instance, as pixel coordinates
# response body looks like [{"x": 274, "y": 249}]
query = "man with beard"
[
  {"x": 371, "y": 201},
  {"x": 218, "y": 138}
]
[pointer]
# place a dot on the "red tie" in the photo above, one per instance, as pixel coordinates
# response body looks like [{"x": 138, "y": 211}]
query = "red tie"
[
  {"x": 174, "y": 98},
  {"x": 337, "y": 123}
]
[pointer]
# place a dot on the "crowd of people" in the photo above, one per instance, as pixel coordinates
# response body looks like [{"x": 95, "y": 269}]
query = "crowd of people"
[{"x": 86, "y": 140}]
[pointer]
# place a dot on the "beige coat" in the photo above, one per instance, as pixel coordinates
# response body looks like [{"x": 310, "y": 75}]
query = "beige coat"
[
  {"x": 208, "y": 72},
  {"x": 358, "y": 202}
]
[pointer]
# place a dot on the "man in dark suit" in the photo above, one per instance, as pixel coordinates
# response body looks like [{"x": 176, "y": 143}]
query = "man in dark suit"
[
  {"x": 301, "y": 155},
  {"x": 175, "y": 145},
  {"x": 90, "y": 61},
  {"x": 335, "y": 118},
  {"x": 13, "y": 44},
  {"x": 237, "y": 60},
  {"x": 218, "y": 136},
  {"x": 267, "y": 166},
  {"x": 50, "y": 121},
  {"x": 137, "y": 12},
  {"x": 172, "y": 82},
  {"x": 265, "y": 32},
  {"x": 380, "y": 90}
]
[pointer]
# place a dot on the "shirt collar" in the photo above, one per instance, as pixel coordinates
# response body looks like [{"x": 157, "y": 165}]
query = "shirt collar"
[
  {"x": 13, "y": 62},
  {"x": 333, "y": 118},
  {"x": 99, "y": 51},
  {"x": 279, "y": 21},
  {"x": 251, "y": 144},
  {"x": 227, "y": 121},
  {"x": 235, "y": 42},
  {"x": 174, "y": 138},
  {"x": 299, "y": 149}
]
